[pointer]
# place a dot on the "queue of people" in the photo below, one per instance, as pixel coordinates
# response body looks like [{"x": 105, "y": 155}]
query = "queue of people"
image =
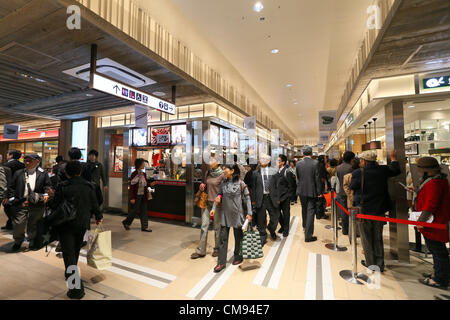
[{"x": 234, "y": 194}]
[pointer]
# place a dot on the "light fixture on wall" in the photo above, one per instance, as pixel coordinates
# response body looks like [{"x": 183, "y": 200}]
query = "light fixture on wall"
[
  {"x": 374, "y": 145},
  {"x": 275, "y": 51}
]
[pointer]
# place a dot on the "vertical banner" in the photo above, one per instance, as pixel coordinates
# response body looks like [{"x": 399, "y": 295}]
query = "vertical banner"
[
  {"x": 250, "y": 126},
  {"x": 328, "y": 120},
  {"x": 140, "y": 117},
  {"x": 11, "y": 131},
  {"x": 324, "y": 137}
]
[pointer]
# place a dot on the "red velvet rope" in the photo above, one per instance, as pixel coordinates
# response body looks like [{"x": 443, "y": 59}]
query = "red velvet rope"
[{"x": 401, "y": 221}]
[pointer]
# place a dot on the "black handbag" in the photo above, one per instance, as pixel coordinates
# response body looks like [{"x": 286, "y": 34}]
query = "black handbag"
[{"x": 65, "y": 213}]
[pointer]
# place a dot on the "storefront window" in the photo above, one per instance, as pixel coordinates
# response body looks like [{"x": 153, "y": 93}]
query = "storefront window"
[
  {"x": 34, "y": 147},
  {"x": 50, "y": 154}
]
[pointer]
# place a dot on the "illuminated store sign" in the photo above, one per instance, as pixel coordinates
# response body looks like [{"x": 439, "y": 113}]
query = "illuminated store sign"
[
  {"x": 436, "y": 82},
  {"x": 118, "y": 89}
]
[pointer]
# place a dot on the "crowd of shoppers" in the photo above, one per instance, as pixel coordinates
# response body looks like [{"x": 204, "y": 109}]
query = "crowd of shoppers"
[{"x": 234, "y": 193}]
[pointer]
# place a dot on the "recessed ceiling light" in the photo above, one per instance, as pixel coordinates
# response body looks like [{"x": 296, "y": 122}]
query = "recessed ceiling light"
[
  {"x": 412, "y": 107},
  {"x": 258, "y": 6},
  {"x": 295, "y": 102},
  {"x": 274, "y": 51},
  {"x": 159, "y": 94},
  {"x": 439, "y": 109},
  {"x": 289, "y": 85}
]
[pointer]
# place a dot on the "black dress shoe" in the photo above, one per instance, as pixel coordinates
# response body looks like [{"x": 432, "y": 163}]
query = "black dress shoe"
[
  {"x": 312, "y": 239},
  {"x": 16, "y": 247},
  {"x": 126, "y": 226},
  {"x": 146, "y": 230},
  {"x": 281, "y": 230},
  {"x": 273, "y": 235},
  {"x": 285, "y": 234}
]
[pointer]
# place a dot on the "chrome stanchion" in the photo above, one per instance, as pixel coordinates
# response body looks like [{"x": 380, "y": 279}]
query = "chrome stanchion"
[
  {"x": 328, "y": 226},
  {"x": 334, "y": 212},
  {"x": 353, "y": 275},
  {"x": 334, "y": 246}
]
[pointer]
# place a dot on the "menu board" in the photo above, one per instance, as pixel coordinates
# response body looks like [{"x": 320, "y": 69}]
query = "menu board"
[
  {"x": 139, "y": 137},
  {"x": 179, "y": 134},
  {"x": 234, "y": 139},
  {"x": 160, "y": 136},
  {"x": 224, "y": 137},
  {"x": 214, "y": 135}
]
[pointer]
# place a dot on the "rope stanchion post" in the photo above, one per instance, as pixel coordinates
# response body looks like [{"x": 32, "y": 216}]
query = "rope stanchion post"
[
  {"x": 353, "y": 276},
  {"x": 334, "y": 246},
  {"x": 331, "y": 226}
]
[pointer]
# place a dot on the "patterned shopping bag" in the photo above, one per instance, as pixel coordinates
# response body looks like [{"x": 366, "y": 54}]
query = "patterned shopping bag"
[{"x": 251, "y": 247}]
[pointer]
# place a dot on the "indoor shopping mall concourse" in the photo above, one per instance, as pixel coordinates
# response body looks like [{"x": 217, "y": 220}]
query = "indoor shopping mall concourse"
[{"x": 157, "y": 265}]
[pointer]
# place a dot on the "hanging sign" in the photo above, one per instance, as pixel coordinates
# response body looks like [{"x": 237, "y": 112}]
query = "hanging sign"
[
  {"x": 436, "y": 82},
  {"x": 11, "y": 131},
  {"x": 124, "y": 91},
  {"x": 328, "y": 120}
]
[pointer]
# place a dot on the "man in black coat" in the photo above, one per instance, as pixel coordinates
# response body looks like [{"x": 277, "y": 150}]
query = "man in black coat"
[
  {"x": 12, "y": 165},
  {"x": 285, "y": 188},
  {"x": 264, "y": 198},
  {"x": 81, "y": 194},
  {"x": 309, "y": 189},
  {"x": 29, "y": 192},
  {"x": 374, "y": 200},
  {"x": 74, "y": 155}
]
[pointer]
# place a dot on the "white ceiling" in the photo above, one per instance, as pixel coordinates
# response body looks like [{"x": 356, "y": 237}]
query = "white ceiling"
[{"x": 318, "y": 41}]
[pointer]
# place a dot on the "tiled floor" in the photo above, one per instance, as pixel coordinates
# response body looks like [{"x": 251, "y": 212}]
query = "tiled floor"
[{"x": 157, "y": 266}]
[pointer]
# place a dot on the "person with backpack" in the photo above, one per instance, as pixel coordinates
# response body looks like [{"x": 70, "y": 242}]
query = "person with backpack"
[
  {"x": 234, "y": 197},
  {"x": 81, "y": 196}
]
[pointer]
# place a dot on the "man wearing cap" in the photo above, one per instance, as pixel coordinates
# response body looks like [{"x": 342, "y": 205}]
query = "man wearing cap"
[
  {"x": 370, "y": 184},
  {"x": 309, "y": 189},
  {"x": 28, "y": 195},
  {"x": 432, "y": 199}
]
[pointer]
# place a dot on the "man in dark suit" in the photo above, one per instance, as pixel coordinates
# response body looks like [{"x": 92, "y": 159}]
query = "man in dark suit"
[
  {"x": 74, "y": 155},
  {"x": 374, "y": 199},
  {"x": 308, "y": 188},
  {"x": 264, "y": 198},
  {"x": 29, "y": 192},
  {"x": 285, "y": 189},
  {"x": 12, "y": 165}
]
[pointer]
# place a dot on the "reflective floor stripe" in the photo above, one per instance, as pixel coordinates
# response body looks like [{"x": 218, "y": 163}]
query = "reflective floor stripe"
[
  {"x": 269, "y": 274},
  {"x": 281, "y": 263},
  {"x": 212, "y": 282},
  {"x": 127, "y": 269},
  {"x": 310, "y": 286},
  {"x": 319, "y": 284},
  {"x": 328, "y": 290}
]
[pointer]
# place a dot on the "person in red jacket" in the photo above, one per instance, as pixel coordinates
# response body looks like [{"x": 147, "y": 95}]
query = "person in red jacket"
[
  {"x": 432, "y": 199},
  {"x": 139, "y": 195}
]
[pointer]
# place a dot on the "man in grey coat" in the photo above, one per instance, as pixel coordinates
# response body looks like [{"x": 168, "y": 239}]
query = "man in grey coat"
[{"x": 308, "y": 188}]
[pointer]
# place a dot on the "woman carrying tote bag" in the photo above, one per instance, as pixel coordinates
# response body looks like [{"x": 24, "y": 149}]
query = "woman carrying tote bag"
[{"x": 234, "y": 195}]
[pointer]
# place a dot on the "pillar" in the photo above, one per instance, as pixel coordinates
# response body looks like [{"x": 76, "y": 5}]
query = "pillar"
[
  {"x": 395, "y": 139},
  {"x": 65, "y": 138}
]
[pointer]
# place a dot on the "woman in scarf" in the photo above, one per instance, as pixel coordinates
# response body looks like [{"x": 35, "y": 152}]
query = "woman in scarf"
[{"x": 210, "y": 185}]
